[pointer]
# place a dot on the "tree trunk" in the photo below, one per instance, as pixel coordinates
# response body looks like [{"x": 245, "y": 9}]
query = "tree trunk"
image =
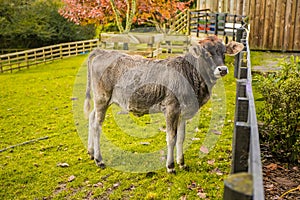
[
  {"x": 131, "y": 9},
  {"x": 130, "y": 12},
  {"x": 117, "y": 16}
]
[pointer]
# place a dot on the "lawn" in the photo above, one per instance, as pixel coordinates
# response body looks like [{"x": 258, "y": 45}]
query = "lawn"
[{"x": 41, "y": 109}]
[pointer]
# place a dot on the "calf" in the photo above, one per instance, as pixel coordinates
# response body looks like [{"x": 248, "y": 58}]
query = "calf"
[{"x": 177, "y": 87}]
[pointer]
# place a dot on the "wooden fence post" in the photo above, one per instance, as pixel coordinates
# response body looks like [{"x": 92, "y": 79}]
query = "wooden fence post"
[
  {"x": 35, "y": 58},
  {"x": 44, "y": 56},
  {"x": 242, "y": 109},
  {"x": 188, "y": 32},
  {"x": 240, "y": 147},
  {"x": 60, "y": 52},
  {"x": 238, "y": 187},
  {"x": 76, "y": 49},
  {"x": 26, "y": 60},
  {"x": 241, "y": 88},
  {"x": 242, "y": 68},
  {"x": 150, "y": 45}
]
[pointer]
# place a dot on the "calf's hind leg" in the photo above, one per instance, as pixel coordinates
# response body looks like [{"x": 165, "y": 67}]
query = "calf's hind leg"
[
  {"x": 91, "y": 134},
  {"x": 95, "y": 132},
  {"x": 179, "y": 144}
]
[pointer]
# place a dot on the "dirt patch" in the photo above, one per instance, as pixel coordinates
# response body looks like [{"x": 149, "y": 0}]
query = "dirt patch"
[{"x": 280, "y": 179}]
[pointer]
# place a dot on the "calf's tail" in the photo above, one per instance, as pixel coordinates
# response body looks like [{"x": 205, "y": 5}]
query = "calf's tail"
[{"x": 87, "y": 105}]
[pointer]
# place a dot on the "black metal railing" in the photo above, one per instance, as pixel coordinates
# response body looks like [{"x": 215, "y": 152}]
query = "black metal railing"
[{"x": 203, "y": 21}]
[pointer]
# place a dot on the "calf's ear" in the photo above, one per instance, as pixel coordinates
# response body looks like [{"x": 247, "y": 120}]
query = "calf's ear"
[
  {"x": 194, "y": 50},
  {"x": 233, "y": 48}
]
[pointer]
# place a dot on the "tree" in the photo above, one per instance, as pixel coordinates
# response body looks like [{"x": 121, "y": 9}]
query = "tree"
[
  {"x": 100, "y": 12},
  {"x": 35, "y": 23},
  {"x": 124, "y": 12},
  {"x": 160, "y": 12}
]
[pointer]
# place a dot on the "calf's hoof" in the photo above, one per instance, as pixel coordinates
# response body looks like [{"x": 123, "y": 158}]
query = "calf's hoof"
[
  {"x": 91, "y": 154},
  {"x": 171, "y": 170},
  {"x": 100, "y": 164}
]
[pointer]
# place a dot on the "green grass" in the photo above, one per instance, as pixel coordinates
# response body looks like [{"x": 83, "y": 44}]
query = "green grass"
[{"x": 42, "y": 101}]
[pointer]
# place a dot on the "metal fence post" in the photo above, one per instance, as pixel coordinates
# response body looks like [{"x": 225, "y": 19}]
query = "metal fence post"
[
  {"x": 239, "y": 36},
  {"x": 216, "y": 24}
]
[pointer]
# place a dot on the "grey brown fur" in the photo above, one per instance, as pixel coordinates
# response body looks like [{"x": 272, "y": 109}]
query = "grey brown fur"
[{"x": 178, "y": 87}]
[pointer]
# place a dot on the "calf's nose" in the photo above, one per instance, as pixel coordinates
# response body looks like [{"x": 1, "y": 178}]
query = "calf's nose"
[{"x": 221, "y": 71}]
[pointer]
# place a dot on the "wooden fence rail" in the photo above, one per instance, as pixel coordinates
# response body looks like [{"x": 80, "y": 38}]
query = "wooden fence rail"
[
  {"x": 25, "y": 59},
  {"x": 246, "y": 180}
]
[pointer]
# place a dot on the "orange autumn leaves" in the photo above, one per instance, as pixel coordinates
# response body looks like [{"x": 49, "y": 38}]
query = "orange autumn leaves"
[{"x": 122, "y": 12}]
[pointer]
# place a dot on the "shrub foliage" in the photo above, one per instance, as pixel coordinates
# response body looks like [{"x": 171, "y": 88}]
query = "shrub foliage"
[
  {"x": 37, "y": 23},
  {"x": 281, "y": 110}
]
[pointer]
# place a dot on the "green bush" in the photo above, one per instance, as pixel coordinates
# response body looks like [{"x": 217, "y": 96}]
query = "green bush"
[
  {"x": 281, "y": 110},
  {"x": 32, "y": 24}
]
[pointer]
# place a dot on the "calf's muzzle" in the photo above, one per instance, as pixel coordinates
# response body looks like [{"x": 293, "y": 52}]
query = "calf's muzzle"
[{"x": 221, "y": 71}]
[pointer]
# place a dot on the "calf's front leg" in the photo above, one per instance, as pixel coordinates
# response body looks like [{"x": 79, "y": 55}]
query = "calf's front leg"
[{"x": 171, "y": 124}]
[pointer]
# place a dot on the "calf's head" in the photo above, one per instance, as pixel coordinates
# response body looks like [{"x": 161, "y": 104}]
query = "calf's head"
[{"x": 216, "y": 49}]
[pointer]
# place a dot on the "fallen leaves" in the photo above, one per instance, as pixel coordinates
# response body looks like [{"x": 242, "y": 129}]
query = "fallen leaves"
[
  {"x": 145, "y": 143},
  {"x": 217, "y": 132},
  {"x": 295, "y": 168},
  {"x": 183, "y": 197},
  {"x": 204, "y": 149},
  {"x": 217, "y": 171},
  {"x": 196, "y": 187},
  {"x": 62, "y": 165},
  {"x": 211, "y": 162},
  {"x": 71, "y": 178},
  {"x": 99, "y": 184},
  {"x": 272, "y": 166},
  {"x": 280, "y": 180},
  {"x": 201, "y": 195},
  {"x": 116, "y": 185}
]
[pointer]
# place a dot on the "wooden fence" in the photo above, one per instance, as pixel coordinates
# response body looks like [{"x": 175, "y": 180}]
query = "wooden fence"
[
  {"x": 246, "y": 179},
  {"x": 25, "y": 59},
  {"x": 146, "y": 44},
  {"x": 275, "y": 24},
  {"x": 238, "y": 7},
  {"x": 180, "y": 23},
  {"x": 149, "y": 45}
]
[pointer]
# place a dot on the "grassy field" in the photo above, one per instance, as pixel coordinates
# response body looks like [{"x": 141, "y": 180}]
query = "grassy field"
[{"x": 41, "y": 110}]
